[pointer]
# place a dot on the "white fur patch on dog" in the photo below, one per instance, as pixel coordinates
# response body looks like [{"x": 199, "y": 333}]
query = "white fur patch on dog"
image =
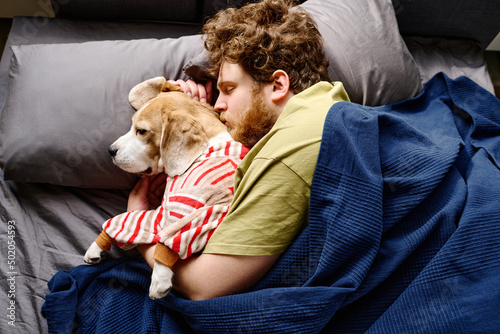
[
  {"x": 131, "y": 155},
  {"x": 161, "y": 281},
  {"x": 94, "y": 254}
]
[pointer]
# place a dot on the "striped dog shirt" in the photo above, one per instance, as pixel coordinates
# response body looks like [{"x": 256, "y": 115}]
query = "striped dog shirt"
[{"x": 193, "y": 205}]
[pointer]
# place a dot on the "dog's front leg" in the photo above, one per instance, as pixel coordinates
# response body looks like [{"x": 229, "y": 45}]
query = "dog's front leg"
[
  {"x": 99, "y": 248},
  {"x": 161, "y": 280},
  {"x": 94, "y": 254}
]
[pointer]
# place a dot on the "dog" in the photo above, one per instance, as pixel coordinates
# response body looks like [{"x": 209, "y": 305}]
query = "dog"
[{"x": 174, "y": 134}]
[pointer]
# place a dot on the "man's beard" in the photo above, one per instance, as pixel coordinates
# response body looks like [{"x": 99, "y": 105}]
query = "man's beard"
[{"x": 257, "y": 121}]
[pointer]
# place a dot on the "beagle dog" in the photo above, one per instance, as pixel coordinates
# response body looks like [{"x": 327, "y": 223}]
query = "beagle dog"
[{"x": 174, "y": 134}]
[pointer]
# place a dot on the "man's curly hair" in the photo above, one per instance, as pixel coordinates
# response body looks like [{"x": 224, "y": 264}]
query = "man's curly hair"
[{"x": 267, "y": 36}]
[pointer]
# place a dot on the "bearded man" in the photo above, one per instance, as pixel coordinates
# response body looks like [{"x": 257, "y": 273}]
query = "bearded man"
[{"x": 274, "y": 95}]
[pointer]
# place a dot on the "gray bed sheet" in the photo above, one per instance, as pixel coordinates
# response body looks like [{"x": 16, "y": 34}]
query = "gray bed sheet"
[
  {"x": 53, "y": 226},
  {"x": 46, "y": 228}
]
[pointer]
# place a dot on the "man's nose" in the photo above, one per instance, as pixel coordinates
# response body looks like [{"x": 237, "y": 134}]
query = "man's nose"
[{"x": 220, "y": 106}]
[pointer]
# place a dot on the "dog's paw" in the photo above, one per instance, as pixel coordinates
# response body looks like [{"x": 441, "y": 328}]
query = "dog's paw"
[
  {"x": 161, "y": 281},
  {"x": 94, "y": 254}
]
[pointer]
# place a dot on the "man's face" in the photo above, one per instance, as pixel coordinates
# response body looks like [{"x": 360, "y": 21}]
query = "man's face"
[{"x": 243, "y": 105}]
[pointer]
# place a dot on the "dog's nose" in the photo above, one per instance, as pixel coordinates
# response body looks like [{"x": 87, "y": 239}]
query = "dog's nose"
[{"x": 112, "y": 150}]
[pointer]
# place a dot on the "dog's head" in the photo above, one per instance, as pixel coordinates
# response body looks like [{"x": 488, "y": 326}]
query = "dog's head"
[{"x": 169, "y": 130}]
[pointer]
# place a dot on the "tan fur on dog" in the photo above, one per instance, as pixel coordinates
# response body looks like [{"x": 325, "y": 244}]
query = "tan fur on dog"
[{"x": 186, "y": 126}]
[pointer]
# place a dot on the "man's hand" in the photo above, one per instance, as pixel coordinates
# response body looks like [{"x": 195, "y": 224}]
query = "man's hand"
[
  {"x": 147, "y": 193},
  {"x": 199, "y": 92}
]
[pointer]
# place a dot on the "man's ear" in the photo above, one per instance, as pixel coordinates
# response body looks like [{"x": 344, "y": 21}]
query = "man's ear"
[
  {"x": 183, "y": 140},
  {"x": 281, "y": 86},
  {"x": 145, "y": 91}
]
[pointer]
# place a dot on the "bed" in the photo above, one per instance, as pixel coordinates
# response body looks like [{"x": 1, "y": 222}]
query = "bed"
[{"x": 63, "y": 87}]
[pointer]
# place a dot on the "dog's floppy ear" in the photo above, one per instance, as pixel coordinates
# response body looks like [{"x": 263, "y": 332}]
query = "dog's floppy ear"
[
  {"x": 183, "y": 140},
  {"x": 170, "y": 87},
  {"x": 146, "y": 91}
]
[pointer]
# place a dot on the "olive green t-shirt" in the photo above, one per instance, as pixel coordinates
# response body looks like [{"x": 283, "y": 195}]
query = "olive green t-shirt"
[{"x": 273, "y": 182}]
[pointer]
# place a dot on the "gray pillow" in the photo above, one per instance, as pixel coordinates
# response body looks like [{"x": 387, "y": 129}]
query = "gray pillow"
[
  {"x": 364, "y": 47},
  {"x": 455, "y": 57},
  {"x": 66, "y": 103}
]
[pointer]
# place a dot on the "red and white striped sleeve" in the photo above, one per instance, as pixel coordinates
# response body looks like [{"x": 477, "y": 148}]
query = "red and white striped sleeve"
[{"x": 135, "y": 227}]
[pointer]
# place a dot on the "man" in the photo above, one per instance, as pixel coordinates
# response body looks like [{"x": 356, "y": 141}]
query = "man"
[{"x": 273, "y": 97}]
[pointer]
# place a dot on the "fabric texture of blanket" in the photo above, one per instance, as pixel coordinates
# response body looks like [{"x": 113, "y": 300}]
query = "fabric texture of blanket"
[{"x": 404, "y": 236}]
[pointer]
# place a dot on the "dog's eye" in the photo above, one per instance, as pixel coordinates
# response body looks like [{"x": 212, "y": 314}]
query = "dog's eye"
[{"x": 140, "y": 131}]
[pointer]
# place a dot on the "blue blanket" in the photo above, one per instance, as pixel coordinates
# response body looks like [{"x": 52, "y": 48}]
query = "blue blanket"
[{"x": 404, "y": 236}]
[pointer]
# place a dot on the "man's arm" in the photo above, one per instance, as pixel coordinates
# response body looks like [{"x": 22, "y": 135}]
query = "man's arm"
[{"x": 203, "y": 276}]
